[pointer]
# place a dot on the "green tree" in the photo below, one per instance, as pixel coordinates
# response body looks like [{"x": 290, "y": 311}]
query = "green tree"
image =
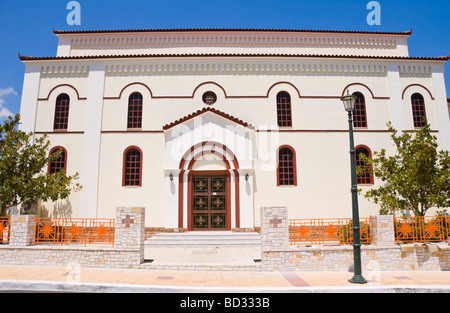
[
  {"x": 23, "y": 169},
  {"x": 416, "y": 178}
]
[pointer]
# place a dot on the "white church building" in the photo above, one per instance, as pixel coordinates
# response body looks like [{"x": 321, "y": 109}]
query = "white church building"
[{"x": 203, "y": 127}]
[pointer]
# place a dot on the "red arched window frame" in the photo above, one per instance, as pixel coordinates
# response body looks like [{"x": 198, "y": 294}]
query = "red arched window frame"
[
  {"x": 60, "y": 163},
  {"x": 286, "y": 166},
  {"x": 418, "y": 110},
  {"x": 284, "y": 109},
  {"x": 132, "y": 167},
  {"x": 61, "y": 121},
  {"x": 135, "y": 103},
  {"x": 365, "y": 178},
  {"x": 360, "y": 114}
]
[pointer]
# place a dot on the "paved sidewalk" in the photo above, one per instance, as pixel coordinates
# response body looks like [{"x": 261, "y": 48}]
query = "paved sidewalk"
[{"x": 73, "y": 278}]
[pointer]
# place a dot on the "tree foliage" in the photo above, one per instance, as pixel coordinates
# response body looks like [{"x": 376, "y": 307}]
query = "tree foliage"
[
  {"x": 416, "y": 178},
  {"x": 23, "y": 169}
]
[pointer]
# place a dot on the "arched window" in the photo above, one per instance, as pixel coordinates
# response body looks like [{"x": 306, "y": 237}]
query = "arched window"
[
  {"x": 60, "y": 163},
  {"x": 365, "y": 177},
  {"x": 284, "y": 111},
  {"x": 359, "y": 114},
  {"x": 286, "y": 171},
  {"x": 61, "y": 120},
  {"x": 135, "y": 110},
  {"x": 132, "y": 167},
  {"x": 418, "y": 110}
]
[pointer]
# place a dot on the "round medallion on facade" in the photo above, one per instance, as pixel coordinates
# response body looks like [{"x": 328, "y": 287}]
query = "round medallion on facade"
[{"x": 209, "y": 98}]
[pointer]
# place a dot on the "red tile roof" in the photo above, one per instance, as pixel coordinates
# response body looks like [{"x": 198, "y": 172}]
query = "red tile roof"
[
  {"x": 204, "y": 110},
  {"x": 32, "y": 58},
  {"x": 58, "y": 32}
]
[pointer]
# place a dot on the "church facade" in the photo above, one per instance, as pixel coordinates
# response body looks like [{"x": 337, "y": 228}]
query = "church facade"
[{"x": 203, "y": 127}]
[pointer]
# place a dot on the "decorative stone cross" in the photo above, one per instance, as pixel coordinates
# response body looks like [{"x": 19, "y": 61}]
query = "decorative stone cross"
[
  {"x": 275, "y": 222},
  {"x": 127, "y": 221}
]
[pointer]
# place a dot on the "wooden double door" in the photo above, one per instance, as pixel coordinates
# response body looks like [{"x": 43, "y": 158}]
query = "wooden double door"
[{"x": 209, "y": 203}]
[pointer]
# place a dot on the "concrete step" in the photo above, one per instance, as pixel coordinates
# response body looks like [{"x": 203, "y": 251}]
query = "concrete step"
[{"x": 204, "y": 239}]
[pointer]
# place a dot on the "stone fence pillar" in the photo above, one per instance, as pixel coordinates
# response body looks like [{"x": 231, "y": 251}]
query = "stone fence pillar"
[
  {"x": 382, "y": 230},
  {"x": 274, "y": 228},
  {"x": 23, "y": 228},
  {"x": 130, "y": 229}
]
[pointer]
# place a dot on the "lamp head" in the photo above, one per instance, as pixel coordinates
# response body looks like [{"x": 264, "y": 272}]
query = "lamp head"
[{"x": 349, "y": 101}]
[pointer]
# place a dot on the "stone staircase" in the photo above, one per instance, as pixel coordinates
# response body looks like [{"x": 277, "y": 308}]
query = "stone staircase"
[{"x": 199, "y": 239}]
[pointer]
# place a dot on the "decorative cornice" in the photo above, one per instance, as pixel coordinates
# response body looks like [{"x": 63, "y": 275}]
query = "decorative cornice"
[
  {"x": 65, "y": 70},
  {"x": 260, "y": 40},
  {"x": 247, "y": 66},
  {"x": 414, "y": 70},
  {"x": 235, "y": 63}
]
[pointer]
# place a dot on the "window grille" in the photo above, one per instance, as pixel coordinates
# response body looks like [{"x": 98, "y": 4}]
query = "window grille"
[
  {"x": 359, "y": 114},
  {"x": 133, "y": 166},
  {"x": 286, "y": 167},
  {"x": 60, "y": 163},
  {"x": 418, "y": 110},
  {"x": 365, "y": 177},
  {"x": 61, "y": 120},
  {"x": 284, "y": 111},
  {"x": 135, "y": 110}
]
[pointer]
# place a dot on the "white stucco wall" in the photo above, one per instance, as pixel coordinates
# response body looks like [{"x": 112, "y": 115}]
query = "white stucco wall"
[{"x": 246, "y": 89}]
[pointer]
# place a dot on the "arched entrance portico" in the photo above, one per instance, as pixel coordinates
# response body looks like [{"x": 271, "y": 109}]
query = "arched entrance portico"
[
  {"x": 205, "y": 141},
  {"x": 209, "y": 196}
]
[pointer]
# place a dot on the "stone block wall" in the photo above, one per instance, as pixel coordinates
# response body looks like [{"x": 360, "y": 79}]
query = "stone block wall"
[
  {"x": 274, "y": 228},
  {"x": 62, "y": 256},
  {"x": 130, "y": 229},
  {"x": 277, "y": 253},
  {"x": 382, "y": 230},
  {"x": 128, "y": 250},
  {"x": 382, "y": 255},
  {"x": 22, "y": 230}
]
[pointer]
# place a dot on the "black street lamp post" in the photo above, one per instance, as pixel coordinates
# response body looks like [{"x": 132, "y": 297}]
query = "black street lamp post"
[{"x": 349, "y": 105}]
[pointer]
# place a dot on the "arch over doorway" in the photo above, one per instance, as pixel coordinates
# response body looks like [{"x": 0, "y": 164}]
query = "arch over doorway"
[{"x": 187, "y": 177}]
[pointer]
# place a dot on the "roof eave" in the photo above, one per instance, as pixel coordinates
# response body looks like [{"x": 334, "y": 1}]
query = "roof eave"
[
  {"x": 218, "y": 55},
  {"x": 206, "y": 110},
  {"x": 63, "y": 32}
]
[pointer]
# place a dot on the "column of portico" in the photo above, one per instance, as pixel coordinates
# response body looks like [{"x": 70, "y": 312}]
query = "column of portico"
[{"x": 92, "y": 140}]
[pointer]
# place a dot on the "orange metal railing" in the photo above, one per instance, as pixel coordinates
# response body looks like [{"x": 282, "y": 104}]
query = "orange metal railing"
[
  {"x": 327, "y": 231},
  {"x": 4, "y": 230},
  {"x": 82, "y": 231},
  {"x": 422, "y": 229}
]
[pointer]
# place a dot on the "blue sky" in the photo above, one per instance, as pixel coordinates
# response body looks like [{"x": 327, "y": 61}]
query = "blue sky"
[{"x": 26, "y": 26}]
